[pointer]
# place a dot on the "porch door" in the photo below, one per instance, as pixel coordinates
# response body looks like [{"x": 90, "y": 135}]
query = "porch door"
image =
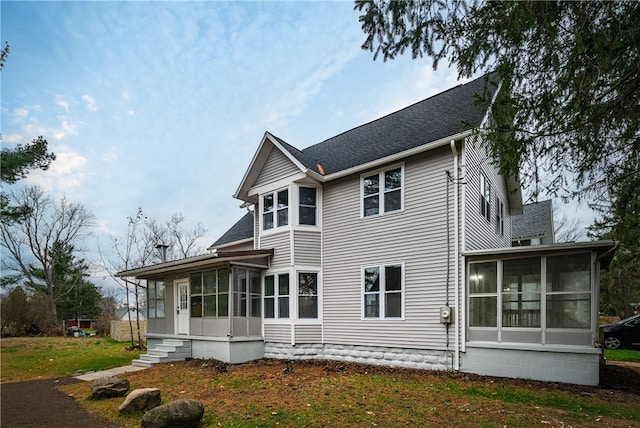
[{"x": 182, "y": 313}]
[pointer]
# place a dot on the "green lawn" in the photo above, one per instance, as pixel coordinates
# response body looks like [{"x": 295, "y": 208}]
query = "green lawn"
[
  {"x": 622, "y": 355},
  {"x": 24, "y": 358},
  {"x": 319, "y": 394}
]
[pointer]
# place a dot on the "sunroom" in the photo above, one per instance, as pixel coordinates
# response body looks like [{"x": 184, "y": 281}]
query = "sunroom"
[
  {"x": 532, "y": 312},
  {"x": 212, "y": 303}
]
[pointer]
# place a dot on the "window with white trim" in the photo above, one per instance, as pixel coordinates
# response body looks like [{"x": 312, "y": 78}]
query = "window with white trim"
[
  {"x": 485, "y": 197},
  {"x": 382, "y": 291},
  {"x": 499, "y": 217},
  {"x": 307, "y": 210},
  {"x": 382, "y": 192},
  {"x": 307, "y": 295},
  {"x": 276, "y": 296},
  {"x": 275, "y": 209},
  {"x": 155, "y": 299}
]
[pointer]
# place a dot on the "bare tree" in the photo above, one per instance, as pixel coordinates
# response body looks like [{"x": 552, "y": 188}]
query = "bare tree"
[
  {"x": 131, "y": 251},
  {"x": 173, "y": 239},
  {"x": 149, "y": 241},
  {"x": 565, "y": 229},
  {"x": 29, "y": 241}
]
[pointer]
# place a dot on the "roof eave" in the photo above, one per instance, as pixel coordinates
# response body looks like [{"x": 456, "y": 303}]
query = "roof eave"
[
  {"x": 194, "y": 262},
  {"x": 396, "y": 156},
  {"x": 229, "y": 244},
  {"x": 605, "y": 249}
]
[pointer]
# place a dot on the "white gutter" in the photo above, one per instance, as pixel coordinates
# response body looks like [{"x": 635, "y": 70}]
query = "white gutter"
[{"x": 456, "y": 356}]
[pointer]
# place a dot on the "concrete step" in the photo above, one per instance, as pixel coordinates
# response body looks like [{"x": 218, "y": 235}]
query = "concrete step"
[
  {"x": 168, "y": 350},
  {"x": 141, "y": 363}
]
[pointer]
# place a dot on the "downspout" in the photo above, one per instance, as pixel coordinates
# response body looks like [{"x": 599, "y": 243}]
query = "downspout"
[{"x": 456, "y": 356}]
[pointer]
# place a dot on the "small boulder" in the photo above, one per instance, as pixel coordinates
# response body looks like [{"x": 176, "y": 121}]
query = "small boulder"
[
  {"x": 141, "y": 399},
  {"x": 109, "y": 386},
  {"x": 175, "y": 414}
]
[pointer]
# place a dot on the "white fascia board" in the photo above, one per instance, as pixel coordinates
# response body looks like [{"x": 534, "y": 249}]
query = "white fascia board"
[
  {"x": 229, "y": 244},
  {"x": 565, "y": 246},
  {"x": 254, "y": 160},
  {"x": 397, "y": 156},
  {"x": 286, "y": 152}
]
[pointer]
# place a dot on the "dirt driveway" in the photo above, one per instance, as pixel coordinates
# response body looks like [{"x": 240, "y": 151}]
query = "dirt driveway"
[{"x": 39, "y": 403}]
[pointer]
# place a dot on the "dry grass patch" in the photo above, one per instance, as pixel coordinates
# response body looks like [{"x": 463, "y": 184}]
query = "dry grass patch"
[{"x": 271, "y": 393}]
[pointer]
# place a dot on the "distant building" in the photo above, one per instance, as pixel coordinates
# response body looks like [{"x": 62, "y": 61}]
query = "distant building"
[{"x": 534, "y": 226}]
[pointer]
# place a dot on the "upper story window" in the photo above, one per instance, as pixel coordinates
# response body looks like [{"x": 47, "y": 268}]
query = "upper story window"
[
  {"x": 275, "y": 209},
  {"x": 155, "y": 299},
  {"x": 382, "y": 192},
  {"x": 499, "y": 217},
  {"x": 382, "y": 291},
  {"x": 485, "y": 197},
  {"x": 308, "y": 206}
]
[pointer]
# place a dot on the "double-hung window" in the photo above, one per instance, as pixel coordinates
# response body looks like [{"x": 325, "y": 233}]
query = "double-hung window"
[
  {"x": 155, "y": 299},
  {"x": 275, "y": 209},
  {"x": 382, "y": 291},
  {"x": 308, "y": 206},
  {"x": 276, "y": 296},
  {"x": 307, "y": 295},
  {"x": 485, "y": 197},
  {"x": 382, "y": 192}
]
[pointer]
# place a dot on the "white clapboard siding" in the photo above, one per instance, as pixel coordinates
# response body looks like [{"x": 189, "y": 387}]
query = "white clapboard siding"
[
  {"x": 276, "y": 167},
  {"x": 480, "y": 233},
  {"x": 277, "y": 333},
  {"x": 281, "y": 245},
  {"x": 308, "y": 333},
  {"x": 417, "y": 237},
  {"x": 307, "y": 248}
]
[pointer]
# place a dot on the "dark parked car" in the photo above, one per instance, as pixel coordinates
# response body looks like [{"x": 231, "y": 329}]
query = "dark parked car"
[{"x": 623, "y": 334}]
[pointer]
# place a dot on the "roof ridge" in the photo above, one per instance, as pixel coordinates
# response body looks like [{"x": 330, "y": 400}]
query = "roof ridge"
[{"x": 396, "y": 112}]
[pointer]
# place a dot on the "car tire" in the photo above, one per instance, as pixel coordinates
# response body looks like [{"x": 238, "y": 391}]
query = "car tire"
[{"x": 612, "y": 342}]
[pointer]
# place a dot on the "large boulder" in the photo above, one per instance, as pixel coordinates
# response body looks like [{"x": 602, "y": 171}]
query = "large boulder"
[
  {"x": 109, "y": 386},
  {"x": 141, "y": 399},
  {"x": 175, "y": 414}
]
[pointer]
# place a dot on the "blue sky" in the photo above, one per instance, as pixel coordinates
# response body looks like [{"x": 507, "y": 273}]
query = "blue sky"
[{"x": 161, "y": 105}]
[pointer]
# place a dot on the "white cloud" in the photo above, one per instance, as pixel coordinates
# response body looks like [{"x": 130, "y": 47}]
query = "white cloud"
[
  {"x": 66, "y": 129},
  {"x": 63, "y": 103},
  {"x": 65, "y": 173},
  {"x": 90, "y": 102}
]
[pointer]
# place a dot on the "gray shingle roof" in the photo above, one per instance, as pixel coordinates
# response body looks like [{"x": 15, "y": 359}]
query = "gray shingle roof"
[
  {"x": 242, "y": 229},
  {"x": 534, "y": 222},
  {"x": 440, "y": 116}
]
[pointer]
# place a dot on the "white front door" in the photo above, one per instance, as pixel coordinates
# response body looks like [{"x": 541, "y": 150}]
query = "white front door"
[{"x": 182, "y": 310}]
